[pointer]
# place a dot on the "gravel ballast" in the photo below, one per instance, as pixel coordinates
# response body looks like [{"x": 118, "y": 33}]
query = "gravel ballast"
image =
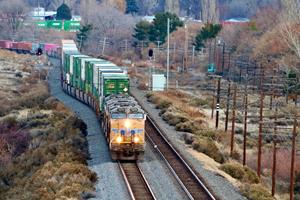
[
  {"x": 223, "y": 189},
  {"x": 159, "y": 177}
]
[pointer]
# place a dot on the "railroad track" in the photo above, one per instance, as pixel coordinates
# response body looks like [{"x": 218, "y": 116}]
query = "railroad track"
[
  {"x": 187, "y": 178},
  {"x": 136, "y": 183}
]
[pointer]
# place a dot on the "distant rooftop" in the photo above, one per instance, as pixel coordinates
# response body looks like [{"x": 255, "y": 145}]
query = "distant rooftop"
[{"x": 237, "y": 20}]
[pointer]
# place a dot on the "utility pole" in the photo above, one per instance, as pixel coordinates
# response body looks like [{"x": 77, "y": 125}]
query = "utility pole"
[
  {"x": 260, "y": 124},
  {"x": 213, "y": 100},
  {"x": 174, "y": 51},
  {"x": 223, "y": 58},
  {"x": 227, "y": 107},
  {"x": 126, "y": 45},
  {"x": 103, "y": 47},
  {"x": 193, "y": 58},
  {"x": 245, "y": 121},
  {"x": 218, "y": 102},
  {"x": 185, "y": 48},
  {"x": 274, "y": 153},
  {"x": 81, "y": 42},
  {"x": 168, "y": 53},
  {"x": 233, "y": 121},
  {"x": 292, "y": 177},
  {"x": 158, "y": 47}
]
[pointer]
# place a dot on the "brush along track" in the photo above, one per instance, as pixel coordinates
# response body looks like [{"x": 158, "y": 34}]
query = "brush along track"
[
  {"x": 188, "y": 180},
  {"x": 136, "y": 183}
]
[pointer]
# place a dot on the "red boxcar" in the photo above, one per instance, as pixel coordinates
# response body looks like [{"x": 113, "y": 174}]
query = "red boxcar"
[
  {"x": 24, "y": 46},
  {"x": 14, "y": 45},
  {"x": 5, "y": 44}
]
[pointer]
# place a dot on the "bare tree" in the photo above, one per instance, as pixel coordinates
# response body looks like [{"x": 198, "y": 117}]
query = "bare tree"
[
  {"x": 209, "y": 11},
  {"x": 13, "y": 14},
  {"x": 172, "y": 6},
  {"x": 109, "y": 23},
  {"x": 290, "y": 30}
]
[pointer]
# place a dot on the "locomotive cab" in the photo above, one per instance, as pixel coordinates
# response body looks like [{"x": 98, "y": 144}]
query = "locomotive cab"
[{"x": 124, "y": 128}]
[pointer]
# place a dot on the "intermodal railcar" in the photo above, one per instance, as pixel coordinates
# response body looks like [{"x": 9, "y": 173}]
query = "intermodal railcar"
[{"x": 105, "y": 87}]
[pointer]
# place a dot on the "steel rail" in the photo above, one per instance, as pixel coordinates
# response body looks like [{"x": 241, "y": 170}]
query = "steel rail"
[
  {"x": 140, "y": 191},
  {"x": 208, "y": 194}
]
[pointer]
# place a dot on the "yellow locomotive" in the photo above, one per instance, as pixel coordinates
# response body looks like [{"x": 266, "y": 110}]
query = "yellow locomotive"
[{"x": 124, "y": 127}]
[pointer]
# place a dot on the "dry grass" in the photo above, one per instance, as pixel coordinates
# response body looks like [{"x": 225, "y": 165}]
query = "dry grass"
[
  {"x": 256, "y": 192},
  {"x": 43, "y": 149}
]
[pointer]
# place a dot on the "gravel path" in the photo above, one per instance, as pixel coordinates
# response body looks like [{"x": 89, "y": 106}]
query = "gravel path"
[
  {"x": 111, "y": 184},
  {"x": 221, "y": 187}
]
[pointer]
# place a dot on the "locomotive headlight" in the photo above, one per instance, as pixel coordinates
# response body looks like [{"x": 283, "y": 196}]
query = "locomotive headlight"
[
  {"x": 136, "y": 139},
  {"x": 119, "y": 139},
  {"x": 127, "y": 124}
]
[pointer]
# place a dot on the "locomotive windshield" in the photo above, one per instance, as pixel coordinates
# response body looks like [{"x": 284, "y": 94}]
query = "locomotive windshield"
[
  {"x": 118, "y": 116},
  {"x": 136, "y": 116}
]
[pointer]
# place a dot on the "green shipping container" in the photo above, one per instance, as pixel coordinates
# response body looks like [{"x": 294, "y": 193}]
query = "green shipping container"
[
  {"x": 71, "y": 25},
  {"x": 113, "y": 83},
  {"x": 55, "y": 24},
  {"x": 83, "y": 76},
  {"x": 87, "y": 74},
  {"x": 42, "y": 24},
  {"x": 76, "y": 70},
  {"x": 68, "y": 68}
]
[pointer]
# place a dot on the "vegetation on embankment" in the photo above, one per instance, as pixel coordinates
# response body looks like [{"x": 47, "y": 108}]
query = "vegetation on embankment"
[
  {"x": 43, "y": 149},
  {"x": 184, "y": 114}
]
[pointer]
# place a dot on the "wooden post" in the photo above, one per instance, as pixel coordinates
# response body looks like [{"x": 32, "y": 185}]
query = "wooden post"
[
  {"x": 233, "y": 121},
  {"x": 292, "y": 177},
  {"x": 218, "y": 103},
  {"x": 274, "y": 167},
  {"x": 227, "y": 107},
  {"x": 274, "y": 153},
  {"x": 260, "y": 126},
  {"x": 245, "y": 122},
  {"x": 213, "y": 102}
]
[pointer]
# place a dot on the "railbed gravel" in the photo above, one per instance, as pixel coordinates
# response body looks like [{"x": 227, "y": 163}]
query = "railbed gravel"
[
  {"x": 223, "y": 189},
  {"x": 111, "y": 184}
]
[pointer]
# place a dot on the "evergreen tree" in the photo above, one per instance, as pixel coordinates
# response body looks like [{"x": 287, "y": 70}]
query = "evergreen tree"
[
  {"x": 63, "y": 12},
  {"x": 142, "y": 30},
  {"x": 82, "y": 35},
  {"x": 209, "y": 31},
  {"x": 131, "y": 7},
  {"x": 158, "y": 31}
]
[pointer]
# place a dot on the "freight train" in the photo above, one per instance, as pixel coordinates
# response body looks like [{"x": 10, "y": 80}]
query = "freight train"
[
  {"x": 30, "y": 47},
  {"x": 105, "y": 87}
]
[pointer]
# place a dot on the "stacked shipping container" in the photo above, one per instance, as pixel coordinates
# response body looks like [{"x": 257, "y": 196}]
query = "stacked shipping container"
[{"x": 95, "y": 77}]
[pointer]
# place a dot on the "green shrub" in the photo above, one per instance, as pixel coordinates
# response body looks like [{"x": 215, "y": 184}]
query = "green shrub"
[
  {"x": 256, "y": 192},
  {"x": 240, "y": 172},
  {"x": 148, "y": 95},
  {"x": 208, "y": 147},
  {"x": 236, "y": 155},
  {"x": 210, "y": 133},
  {"x": 172, "y": 117},
  {"x": 10, "y": 121},
  {"x": 234, "y": 169},
  {"x": 163, "y": 104},
  {"x": 187, "y": 126},
  {"x": 153, "y": 99},
  {"x": 199, "y": 102},
  {"x": 188, "y": 138},
  {"x": 250, "y": 176}
]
